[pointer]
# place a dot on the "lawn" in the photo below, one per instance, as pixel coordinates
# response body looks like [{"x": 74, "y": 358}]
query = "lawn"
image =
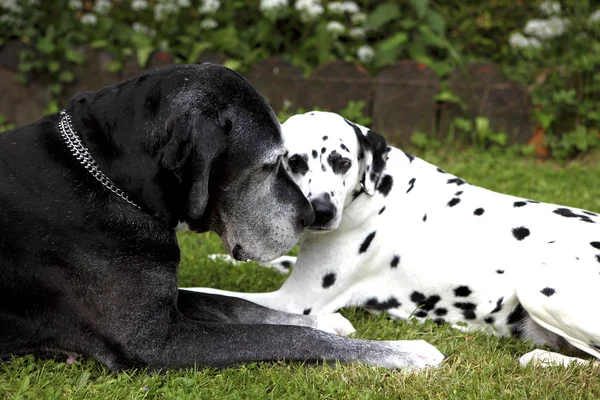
[{"x": 480, "y": 367}]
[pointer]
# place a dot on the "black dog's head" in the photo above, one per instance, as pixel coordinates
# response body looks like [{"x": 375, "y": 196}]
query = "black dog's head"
[{"x": 197, "y": 144}]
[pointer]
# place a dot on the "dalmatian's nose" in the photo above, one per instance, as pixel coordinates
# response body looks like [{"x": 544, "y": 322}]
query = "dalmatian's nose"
[{"x": 324, "y": 209}]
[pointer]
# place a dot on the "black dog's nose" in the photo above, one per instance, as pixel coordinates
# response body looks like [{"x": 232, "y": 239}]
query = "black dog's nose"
[
  {"x": 324, "y": 210},
  {"x": 307, "y": 216}
]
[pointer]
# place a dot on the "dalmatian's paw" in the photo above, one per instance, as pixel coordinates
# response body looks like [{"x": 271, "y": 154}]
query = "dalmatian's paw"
[
  {"x": 409, "y": 355},
  {"x": 334, "y": 323},
  {"x": 544, "y": 358}
]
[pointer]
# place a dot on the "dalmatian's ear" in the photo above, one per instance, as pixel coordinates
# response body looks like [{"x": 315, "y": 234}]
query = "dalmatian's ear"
[{"x": 372, "y": 156}]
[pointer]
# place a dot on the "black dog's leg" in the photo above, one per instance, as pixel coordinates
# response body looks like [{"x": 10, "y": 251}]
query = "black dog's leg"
[
  {"x": 216, "y": 308},
  {"x": 190, "y": 343}
]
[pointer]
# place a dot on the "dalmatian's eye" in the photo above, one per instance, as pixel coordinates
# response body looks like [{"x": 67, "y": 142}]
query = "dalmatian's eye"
[
  {"x": 297, "y": 164},
  {"x": 344, "y": 164}
]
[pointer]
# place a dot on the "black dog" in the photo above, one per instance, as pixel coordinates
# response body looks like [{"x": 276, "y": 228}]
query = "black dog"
[{"x": 89, "y": 202}]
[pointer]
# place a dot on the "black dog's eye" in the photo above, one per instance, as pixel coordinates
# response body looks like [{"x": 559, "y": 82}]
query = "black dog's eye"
[
  {"x": 297, "y": 164},
  {"x": 272, "y": 166}
]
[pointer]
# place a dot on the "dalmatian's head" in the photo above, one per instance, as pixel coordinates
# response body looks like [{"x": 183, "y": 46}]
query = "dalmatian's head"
[{"x": 333, "y": 161}]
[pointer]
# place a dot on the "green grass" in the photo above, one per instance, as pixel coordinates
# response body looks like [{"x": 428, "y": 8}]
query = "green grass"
[{"x": 480, "y": 367}]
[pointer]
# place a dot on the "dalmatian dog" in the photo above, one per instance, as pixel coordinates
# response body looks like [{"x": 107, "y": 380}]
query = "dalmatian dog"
[{"x": 394, "y": 233}]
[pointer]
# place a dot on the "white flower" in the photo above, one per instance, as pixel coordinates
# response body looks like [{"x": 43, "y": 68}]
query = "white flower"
[
  {"x": 268, "y": 5},
  {"x": 75, "y": 4},
  {"x": 335, "y": 27},
  {"x": 546, "y": 28},
  {"x": 351, "y": 7},
  {"x": 357, "y": 33},
  {"x": 139, "y": 27},
  {"x": 102, "y": 7},
  {"x": 550, "y": 7},
  {"x": 209, "y": 6},
  {"x": 309, "y": 9},
  {"x": 89, "y": 19},
  {"x": 208, "y": 23},
  {"x": 336, "y": 7},
  {"x": 11, "y": 5},
  {"x": 365, "y": 53},
  {"x": 595, "y": 16},
  {"x": 184, "y": 3},
  {"x": 8, "y": 20},
  {"x": 162, "y": 10},
  {"x": 518, "y": 41},
  {"x": 359, "y": 18},
  {"x": 139, "y": 5}
]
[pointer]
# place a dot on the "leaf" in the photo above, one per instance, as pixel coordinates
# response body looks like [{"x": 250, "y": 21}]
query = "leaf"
[
  {"x": 114, "y": 66},
  {"x": 436, "y": 22},
  {"x": 82, "y": 379},
  {"x": 53, "y": 66},
  {"x": 420, "y": 6},
  {"x": 232, "y": 64},
  {"x": 429, "y": 37},
  {"x": 46, "y": 45},
  {"x": 197, "y": 50},
  {"x": 143, "y": 54},
  {"x": 383, "y": 14},
  {"x": 73, "y": 55},
  {"x": 66, "y": 76},
  {"x": 99, "y": 43}
]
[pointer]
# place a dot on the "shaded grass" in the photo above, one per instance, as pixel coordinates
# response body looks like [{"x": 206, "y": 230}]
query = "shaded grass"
[{"x": 479, "y": 366}]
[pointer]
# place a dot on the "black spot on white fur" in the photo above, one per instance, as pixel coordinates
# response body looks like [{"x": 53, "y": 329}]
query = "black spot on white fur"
[
  {"x": 409, "y": 156},
  {"x": 462, "y": 291},
  {"x": 489, "y": 320},
  {"x": 440, "y": 311},
  {"x": 328, "y": 280},
  {"x": 325, "y": 137},
  {"x": 343, "y": 147},
  {"x": 375, "y": 304},
  {"x": 468, "y": 309},
  {"x": 500, "y": 271},
  {"x": 454, "y": 201},
  {"x": 479, "y": 211},
  {"x": 520, "y": 233},
  {"x": 382, "y": 210},
  {"x": 515, "y": 319},
  {"x": 411, "y": 184},
  {"x": 595, "y": 245},
  {"x": 286, "y": 264},
  {"x": 457, "y": 181},
  {"x": 441, "y": 171},
  {"x": 498, "y": 305},
  {"x": 366, "y": 243},
  {"x": 385, "y": 185},
  {"x": 519, "y": 203},
  {"x": 307, "y": 311},
  {"x": 425, "y": 218},
  {"x": 426, "y": 303},
  {"x": 568, "y": 213},
  {"x": 395, "y": 261},
  {"x": 547, "y": 291},
  {"x": 315, "y": 154}
]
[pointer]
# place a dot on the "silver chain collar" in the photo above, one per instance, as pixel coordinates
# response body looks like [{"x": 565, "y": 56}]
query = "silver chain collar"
[{"x": 85, "y": 158}]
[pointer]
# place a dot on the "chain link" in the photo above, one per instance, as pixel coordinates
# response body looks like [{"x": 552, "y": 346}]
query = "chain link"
[{"x": 84, "y": 157}]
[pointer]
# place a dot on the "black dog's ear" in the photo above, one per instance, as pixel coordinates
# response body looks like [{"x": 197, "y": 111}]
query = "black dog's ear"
[
  {"x": 195, "y": 143},
  {"x": 372, "y": 155}
]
